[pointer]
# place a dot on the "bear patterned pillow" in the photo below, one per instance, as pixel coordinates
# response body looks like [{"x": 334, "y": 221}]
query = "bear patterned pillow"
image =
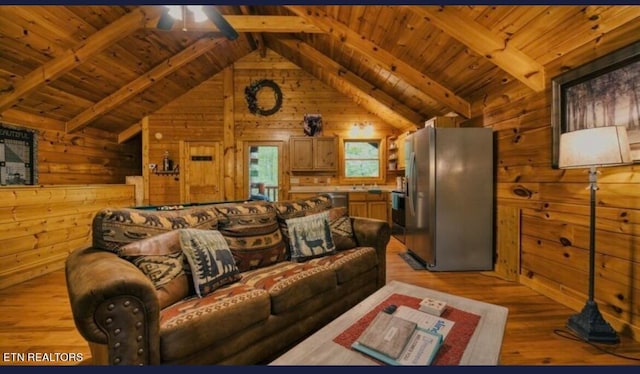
[
  {"x": 310, "y": 237},
  {"x": 212, "y": 264}
]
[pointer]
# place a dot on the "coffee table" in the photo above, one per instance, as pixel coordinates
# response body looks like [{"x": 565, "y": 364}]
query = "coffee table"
[{"x": 320, "y": 349}]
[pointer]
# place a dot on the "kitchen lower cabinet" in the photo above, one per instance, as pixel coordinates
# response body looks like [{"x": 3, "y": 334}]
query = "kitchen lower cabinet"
[{"x": 370, "y": 205}]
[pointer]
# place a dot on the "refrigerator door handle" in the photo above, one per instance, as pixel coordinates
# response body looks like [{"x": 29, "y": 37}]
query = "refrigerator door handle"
[{"x": 412, "y": 185}]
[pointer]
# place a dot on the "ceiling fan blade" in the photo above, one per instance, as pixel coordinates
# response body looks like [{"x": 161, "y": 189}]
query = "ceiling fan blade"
[
  {"x": 218, "y": 19},
  {"x": 166, "y": 21}
]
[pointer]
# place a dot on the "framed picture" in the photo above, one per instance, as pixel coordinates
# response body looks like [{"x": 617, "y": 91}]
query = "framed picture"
[
  {"x": 18, "y": 156},
  {"x": 604, "y": 92}
]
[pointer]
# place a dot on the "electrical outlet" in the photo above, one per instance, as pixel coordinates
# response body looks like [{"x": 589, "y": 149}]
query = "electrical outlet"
[{"x": 152, "y": 166}]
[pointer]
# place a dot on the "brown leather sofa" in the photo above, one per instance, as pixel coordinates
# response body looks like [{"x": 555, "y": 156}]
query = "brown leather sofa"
[{"x": 127, "y": 320}]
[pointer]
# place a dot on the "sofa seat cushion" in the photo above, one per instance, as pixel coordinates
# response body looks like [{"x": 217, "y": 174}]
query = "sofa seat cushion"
[
  {"x": 290, "y": 283},
  {"x": 349, "y": 263},
  {"x": 196, "y": 323}
]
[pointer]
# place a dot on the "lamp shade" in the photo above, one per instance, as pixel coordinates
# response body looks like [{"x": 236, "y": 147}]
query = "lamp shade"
[{"x": 599, "y": 146}]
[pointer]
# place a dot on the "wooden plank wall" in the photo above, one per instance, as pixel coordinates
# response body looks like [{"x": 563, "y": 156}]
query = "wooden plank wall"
[
  {"x": 78, "y": 175},
  {"x": 199, "y": 116},
  {"x": 554, "y": 205},
  {"x": 41, "y": 225}
]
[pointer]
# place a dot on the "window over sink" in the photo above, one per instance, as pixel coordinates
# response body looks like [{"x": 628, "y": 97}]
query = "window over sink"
[{"x": 362, "y": 160}]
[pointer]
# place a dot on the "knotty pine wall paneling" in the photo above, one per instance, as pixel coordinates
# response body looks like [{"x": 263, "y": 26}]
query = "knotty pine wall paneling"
[
  {"x": 200, "y": 115},
  {"x": 41, "y": 225},
  {"x": 78, "y": 174},
  {"x": 553, "y": 245}
]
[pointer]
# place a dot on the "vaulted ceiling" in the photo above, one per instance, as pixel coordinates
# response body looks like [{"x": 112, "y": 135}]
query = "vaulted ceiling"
[{"x": 108, "y": 66}]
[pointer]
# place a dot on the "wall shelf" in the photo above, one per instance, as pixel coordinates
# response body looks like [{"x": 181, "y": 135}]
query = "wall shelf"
[{"x": 175, "y": 171}]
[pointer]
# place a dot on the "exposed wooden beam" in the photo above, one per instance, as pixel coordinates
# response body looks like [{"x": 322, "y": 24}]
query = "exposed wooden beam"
[
  {"x": 257, "y": 37},
  {"x": 351, "y": 85},
  {"x": 251, "y": 23},
  {"x": 129, "y": 133},
  {"x": 481, "y": 40},
  {"x": 74, "y": 57},
  {"x": 144, "y": 81},
  {"x": 383, "y": 58}
]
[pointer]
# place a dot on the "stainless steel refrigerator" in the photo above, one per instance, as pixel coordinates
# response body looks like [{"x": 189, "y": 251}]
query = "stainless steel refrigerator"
[{"x": 449, "y": 202}]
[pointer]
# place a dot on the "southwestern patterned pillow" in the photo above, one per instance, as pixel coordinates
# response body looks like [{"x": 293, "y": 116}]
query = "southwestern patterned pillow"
[
  {"x": 310, "y": 237},
  {"x": 341, "y": 228},
  {"x": 252, "y": 233},
  {"x": 212, "y": 264},
  {"x": 160, "y": 258}
]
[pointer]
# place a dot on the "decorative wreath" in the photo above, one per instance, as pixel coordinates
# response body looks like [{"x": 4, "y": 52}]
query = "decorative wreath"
[{"x": 251, "y": 91}]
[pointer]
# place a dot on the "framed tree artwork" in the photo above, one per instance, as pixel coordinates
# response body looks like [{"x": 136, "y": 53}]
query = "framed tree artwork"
[
  {"x": 604, "y": 92},
  {"x": 18, "y": 156}
]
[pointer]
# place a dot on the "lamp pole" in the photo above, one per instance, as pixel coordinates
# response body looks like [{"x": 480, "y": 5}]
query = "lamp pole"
[{"x": 589, "y": 323}]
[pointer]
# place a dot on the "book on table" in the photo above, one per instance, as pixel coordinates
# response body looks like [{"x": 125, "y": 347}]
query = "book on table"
[{"x": 406, "y": 337}]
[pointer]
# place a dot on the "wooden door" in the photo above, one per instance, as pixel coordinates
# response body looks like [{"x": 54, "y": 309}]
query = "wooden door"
[{"x": 202, "y": 180}]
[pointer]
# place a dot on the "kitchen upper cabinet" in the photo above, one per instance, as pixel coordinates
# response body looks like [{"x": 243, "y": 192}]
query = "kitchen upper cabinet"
[
  {"x": 400, "y": 152},
  {"x": 313, "y": 153}
]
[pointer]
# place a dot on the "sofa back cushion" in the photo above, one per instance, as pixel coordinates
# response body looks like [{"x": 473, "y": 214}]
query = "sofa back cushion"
[
  {"x": 161, "y": 259},
  {"x": 115, "y": 227},
  {"x": 252, "y": 233},
  {"x": 299, "y": 208}
]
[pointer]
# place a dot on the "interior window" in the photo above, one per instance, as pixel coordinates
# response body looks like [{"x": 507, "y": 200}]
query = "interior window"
[{"x": 362, "y": 159}]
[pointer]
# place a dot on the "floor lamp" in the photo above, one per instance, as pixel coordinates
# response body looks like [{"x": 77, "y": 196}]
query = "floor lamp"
[{"x": 592, "y": 148}]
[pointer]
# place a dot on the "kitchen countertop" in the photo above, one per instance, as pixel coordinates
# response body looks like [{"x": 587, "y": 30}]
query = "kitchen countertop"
[{"x": 335, "y": 188}]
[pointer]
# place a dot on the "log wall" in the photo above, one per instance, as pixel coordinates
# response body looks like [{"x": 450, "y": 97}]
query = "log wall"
[
  {"x": 41, "y": 225},
  {"x": 549, "y": 208},
  {"x": 205, "y": 112},
  {"x": 78, "y": 175}
]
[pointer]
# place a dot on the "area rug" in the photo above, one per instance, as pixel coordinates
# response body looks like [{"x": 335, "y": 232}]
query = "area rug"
[
  {"x": 411, "y": 261},
  {"x": 453, "y": 346}
]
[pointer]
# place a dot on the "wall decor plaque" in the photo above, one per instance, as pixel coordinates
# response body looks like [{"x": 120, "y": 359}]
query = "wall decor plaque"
[{"x": 18, "y": 156}]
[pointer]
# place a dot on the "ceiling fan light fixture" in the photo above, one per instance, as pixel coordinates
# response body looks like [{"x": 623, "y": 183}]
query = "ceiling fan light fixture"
[
  {"x": 198, "y": 13},
  {"x": 175, "y": 11}
]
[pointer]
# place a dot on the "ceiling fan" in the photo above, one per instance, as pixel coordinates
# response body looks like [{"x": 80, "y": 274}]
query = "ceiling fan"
[{"x": 201, "y": 13}]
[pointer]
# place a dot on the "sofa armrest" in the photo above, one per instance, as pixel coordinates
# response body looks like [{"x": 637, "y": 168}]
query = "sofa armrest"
[
  {"x": 371, "y": 232},
  {"x": 114, "y": 304}
]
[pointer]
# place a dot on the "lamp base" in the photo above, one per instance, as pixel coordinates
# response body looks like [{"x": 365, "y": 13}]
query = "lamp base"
[{"x": 590, "y": 326}]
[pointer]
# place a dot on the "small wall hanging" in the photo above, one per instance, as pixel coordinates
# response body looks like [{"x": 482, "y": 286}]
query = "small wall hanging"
[
  {"x": 251, "y": 92},
  {"x": 18, "y": 156},
  {"x": 312, "y": 124}
]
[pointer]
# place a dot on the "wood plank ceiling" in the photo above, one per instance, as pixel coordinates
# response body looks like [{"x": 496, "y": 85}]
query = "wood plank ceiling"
[{"x": 108, "y": 66}]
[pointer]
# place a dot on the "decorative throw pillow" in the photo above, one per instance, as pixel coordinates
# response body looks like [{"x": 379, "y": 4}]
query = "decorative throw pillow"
[
  {"x": 341, "y": 228},
  {"x": 299, "y": 208},
  {"x": 212, "y": 264},
  {"x": 310, "y": 237},
  {"x": 160, "y": 258}
]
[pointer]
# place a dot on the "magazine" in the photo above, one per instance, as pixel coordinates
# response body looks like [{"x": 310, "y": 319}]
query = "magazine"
[
  {"x": 426, "y": 321},
  {"x": 416, "y": 345}
]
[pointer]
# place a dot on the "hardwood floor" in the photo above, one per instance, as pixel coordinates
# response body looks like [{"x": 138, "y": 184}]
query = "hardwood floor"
[{"x": 36, "y": 319}]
